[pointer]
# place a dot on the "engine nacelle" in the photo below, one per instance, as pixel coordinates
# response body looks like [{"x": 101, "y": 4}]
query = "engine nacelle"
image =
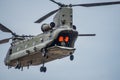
[{"x": 45, "y": 27}]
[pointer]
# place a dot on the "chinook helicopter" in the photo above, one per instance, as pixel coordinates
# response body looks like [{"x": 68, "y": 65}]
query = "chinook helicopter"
[{"x": 56, "y": 42}]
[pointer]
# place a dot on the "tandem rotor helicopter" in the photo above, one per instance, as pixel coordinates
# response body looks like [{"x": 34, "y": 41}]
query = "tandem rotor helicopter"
[{"x": 56, "y": 41}]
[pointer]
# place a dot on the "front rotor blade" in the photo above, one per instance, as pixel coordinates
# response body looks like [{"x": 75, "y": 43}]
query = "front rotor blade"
[
  {"x": 58, "y": 3},
  {"x": 98, "y": 4},
  {"x": 86, "y": 34},
  {"x": 5, "y": 40},
  {"x": 5, "y": 29},
  {"x": 46, "y": 16}
]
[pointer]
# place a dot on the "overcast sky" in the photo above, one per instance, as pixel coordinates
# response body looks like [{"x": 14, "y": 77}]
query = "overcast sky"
[{"x": 96, "y": 58}]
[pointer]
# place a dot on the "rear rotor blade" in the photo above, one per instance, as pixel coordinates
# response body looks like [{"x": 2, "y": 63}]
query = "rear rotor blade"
[
  {"x": 46, "y": 16},
  {"x": 5, "y": 40},
  {"x": 5, "y": 29},
  {"x": 26, "y": 36},
  {"x": 86, "y": 34},
  {"x": 97, "y": 4}
]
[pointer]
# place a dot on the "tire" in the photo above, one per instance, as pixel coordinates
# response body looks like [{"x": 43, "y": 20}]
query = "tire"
[{"x": 71, "y": 57}]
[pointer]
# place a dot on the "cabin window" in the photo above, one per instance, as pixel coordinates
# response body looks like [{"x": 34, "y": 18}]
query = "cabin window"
[
  {"x": 50, "y": 36},
  {"x": 63, "y": 15},
  {"x": 33, "y": 43},
  {"x": 10, "y": 52},
  {"x": 41, "y": 39},
  {"x": 71, "y": 15},
  {"x": 70, "y": 23},
  {"x": 63, "y": 22},
  {"x": 18, "y": 48},
  {"x": 26, "y": 46}
]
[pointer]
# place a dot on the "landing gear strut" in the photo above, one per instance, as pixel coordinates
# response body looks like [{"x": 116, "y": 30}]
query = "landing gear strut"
[
  {"x": 43, "y": 68},
  {"x": 18, "y": 65},
  {"x": 43, "y": 50}
]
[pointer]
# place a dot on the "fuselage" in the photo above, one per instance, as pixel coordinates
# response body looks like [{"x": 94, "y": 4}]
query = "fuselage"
[
  {"x": 29, "y": 50},
  {"x": 58, "y": 42}
]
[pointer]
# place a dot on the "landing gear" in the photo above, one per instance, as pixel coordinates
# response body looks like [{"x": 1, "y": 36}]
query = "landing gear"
[
  {"x": 71, "y": 57},
  {"x": 43, "y": 69},
  {"x": 18, "y": 66},
  {"x": 29, "y": 63},
  {"x": 43, "y": 51}
]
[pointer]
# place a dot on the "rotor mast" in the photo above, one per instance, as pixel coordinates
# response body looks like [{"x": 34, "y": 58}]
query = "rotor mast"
[
  {"x": 63, "y": 17},
  {"x": 61, "y": 5}
]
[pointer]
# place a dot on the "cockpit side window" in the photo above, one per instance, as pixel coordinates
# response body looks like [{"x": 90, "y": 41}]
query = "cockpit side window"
[{"x": 10, "y": 51}]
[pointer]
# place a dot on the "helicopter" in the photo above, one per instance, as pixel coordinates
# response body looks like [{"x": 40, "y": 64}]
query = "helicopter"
[{"x": 56, "y": 42}]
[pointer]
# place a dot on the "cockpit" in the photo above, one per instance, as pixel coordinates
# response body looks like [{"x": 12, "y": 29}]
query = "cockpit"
[{"x": 65, "y": 38}]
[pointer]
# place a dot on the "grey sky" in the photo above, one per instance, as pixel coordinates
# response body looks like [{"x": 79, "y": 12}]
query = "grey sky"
[{"x": 96, "y": 58}]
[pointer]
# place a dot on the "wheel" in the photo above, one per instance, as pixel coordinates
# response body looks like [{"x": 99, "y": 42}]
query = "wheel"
[
  {"x": 43, "y": 69},
  {"x": 71, "y": 57}
]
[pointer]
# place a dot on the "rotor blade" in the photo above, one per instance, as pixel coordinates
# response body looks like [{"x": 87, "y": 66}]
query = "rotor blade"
[
  {"x": 5, "y": 29},
  {"x": 98, "y": 4},
  {"x": 26, "y": 36},
  {"x": 46, "y": 16},
  {"x": 5, "y": 40},
  {"x": 58, "y": 3},
  {"x": 86, "y": 34}
]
